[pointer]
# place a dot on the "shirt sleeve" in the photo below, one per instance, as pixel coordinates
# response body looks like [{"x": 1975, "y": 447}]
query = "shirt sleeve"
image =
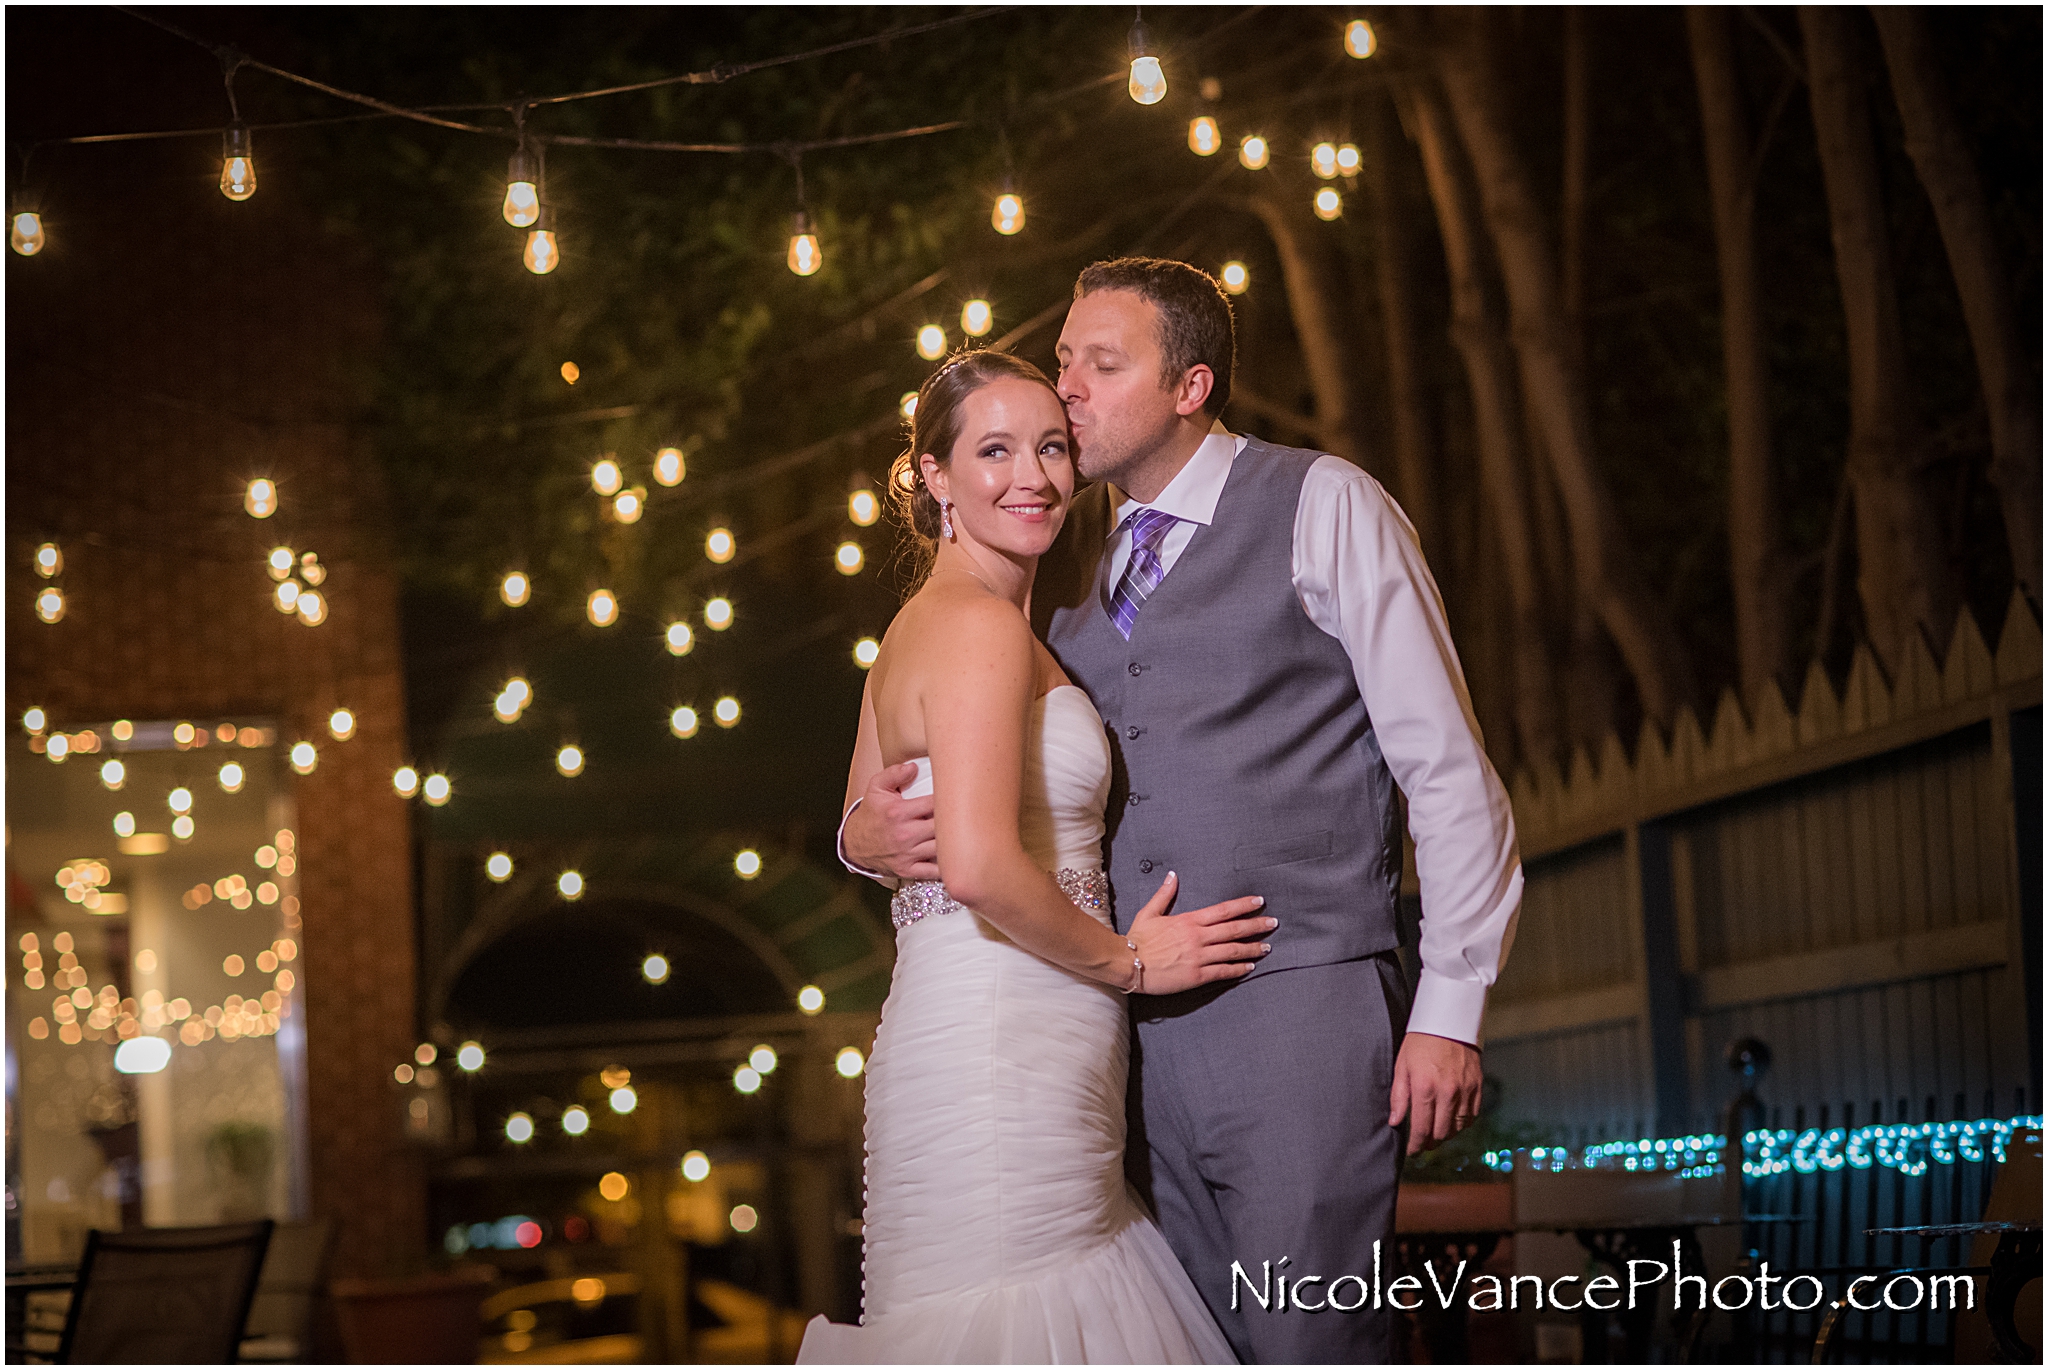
[
  {"x": 839, "y": 845},
  {"x": 1360, "y": 576}
]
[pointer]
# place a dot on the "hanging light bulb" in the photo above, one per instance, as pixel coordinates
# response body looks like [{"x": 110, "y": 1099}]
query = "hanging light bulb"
[
  {"x": 260, "y": 499},
  {"x": 628, "y": 504},
  {"x": 311, "y": 608},
  {"x": 976, "y": 318},
  {"x": 683, "y": 722},
  {"x": 605, "y": 478},
  {"x": 804, "y": 256},
  {"x": 907, "y": 405},
  {"x": 1322, "y": 159},
  {"x": 719, "y": 545},
  {"x": 863, "y": 508},
  {"x": 1235, "y": 277},
  {"x": 1253, "y": 152},
  {"x": 1148, "y": 80},
  {"x": 515, "y": 588},
  {"x": 569, "y": 760},
  {"x": 49, "y": 560},
  {"x": 25, "y": 234},
  {"x": 603, "y": 608},
  {"x": 866, "y": 652},
  {"x": 1204, "y": 138},
  {"x": 1359, "y": 39},
  {"x": 1008, "y": 217},
  {"x": 542, "y": 253},
  {"x": 680, "y": 639},
  {"x": 849, "y": 558},
  {"x": 718, "y": 614},
  {"x": 1347, "y": 159},
  {"x": 237, "y": 163},
  {"x": 668, "y": 466},
  {"x": 1329, "y": 204},
  {"x": 931, "y": 342},
  {"x": 522, "y": 192},
  {"x": 50, "y": 604}
]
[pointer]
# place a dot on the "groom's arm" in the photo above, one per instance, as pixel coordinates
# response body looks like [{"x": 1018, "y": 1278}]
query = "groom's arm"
[
  {"x": 882, "y": 835},
  {"x": 1361, "y": 577}
]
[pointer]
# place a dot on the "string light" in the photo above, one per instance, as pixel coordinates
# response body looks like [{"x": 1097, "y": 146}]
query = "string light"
[
  {"x": 575, "y": 1121},
  {"x": 668, "y": 466},
  {"x": 286, "y": 596},
  {"x": 406, "y": 781},
  {"x": 977, "y": 318},
  {"x": 571, "y": 372},
  {"x": 863, "y": 508},
  {"x": 569, "y": 760},
  {"x": 50, "y": 604},
  {"x": 518, "y": 1127},
  {"x": 231, "y": 777},
  {"x": 569, "y": 884},
  {"x": 237, "y": 163},
  {"x": 312, "y": 608},
  {"x": 49, "y": 560},
  {"x": 498, "y": 866},
  {"x": 866, "y": 652},
  {"x": 260, "y": 499},
  {"x": 810, "y": 1000},
  {"x": 847, "y": 560},
  {"x": 512, "y": 700},
  {"x": 124, "y": 824},
  {"x": 113, "y": 774},
  {"x": 625, "y": 1098},
  {"x": 342, "y": 723},
  {"x": 34, "y": 719},
  {"x": 804, "y": 255},
  {"x": 907, "y": 405},
  {"x": 1322, "y": 159},
  {"x": 683, "y": 721},
  {"x": 718, "y": 614},
  {"x": 719, "y": 545},
  {"x": 1359, "y": 39},
  {"x": 58, "y": 747},
  {"x": 522, "y": 190},
  {"x": 931, "y": 342},
  {"x": 763, "y": 1059},
  {"x": 305, "y": 756},
  {"x": 515, "y": 588},
  {"x": 679, "y": 638},
  {"x": 25, "y": 232},
  {"x": 696, "y": 1165},
  {"x": 726, "y": 711},
  {"x": 281, "y": 561},
  {"x": 436, "y": 789},
  {"x": 1204, "y": 138},
  {"x": 849, "y": 1062},
  {"x": 746, "y": 1080},
  {"x": 181, "y": 827},
  {"x": 605, "y": 478},
  {"x": 627, "y": 505},
  {"x": 1253, "y": 152},
  {"x": 470, "y": 1056},
  {"x": 1148, "y": 80},
  {"x": 543, "y": 254},
  {"x": 654, "y": 969},
  {"x": 1008, "y": 216},
  {"x": 1329, "y": 204},
  {"x": 1347, "y": 159},
  {"x": 1235, "y": 277},
  {"x": 603, "y": 608},
  {"x": 179, "y": 800}
]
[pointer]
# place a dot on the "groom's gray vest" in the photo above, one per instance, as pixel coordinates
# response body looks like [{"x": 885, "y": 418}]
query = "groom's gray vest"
[{"x": 1245, "y": 759}]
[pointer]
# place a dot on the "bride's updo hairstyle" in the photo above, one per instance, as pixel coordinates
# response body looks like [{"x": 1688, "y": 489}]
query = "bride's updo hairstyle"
[{"x": 934, "y": 426}]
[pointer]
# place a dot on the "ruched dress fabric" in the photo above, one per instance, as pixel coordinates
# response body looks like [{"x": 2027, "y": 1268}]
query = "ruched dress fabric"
[{"x": 998, "y": 1226}]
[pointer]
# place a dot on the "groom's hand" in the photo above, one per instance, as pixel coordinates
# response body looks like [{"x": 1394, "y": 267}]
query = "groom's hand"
[
  {"x": 1436, "y": 1087},
  {"x": 891, "y": 834}
]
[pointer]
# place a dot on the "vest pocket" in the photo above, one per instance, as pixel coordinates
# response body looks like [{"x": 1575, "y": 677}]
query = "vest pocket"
[{"x": 1254, "y": 855}]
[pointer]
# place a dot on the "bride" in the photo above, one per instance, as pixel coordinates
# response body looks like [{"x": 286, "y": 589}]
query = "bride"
[{"x": 998, "y": 1225}]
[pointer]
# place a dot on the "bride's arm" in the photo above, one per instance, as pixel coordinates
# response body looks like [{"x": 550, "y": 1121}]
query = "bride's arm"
[{"x": 977, "y": 701}]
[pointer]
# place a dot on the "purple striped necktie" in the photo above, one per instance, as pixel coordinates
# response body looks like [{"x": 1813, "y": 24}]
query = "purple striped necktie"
[{"x": 1144, "y": 571}]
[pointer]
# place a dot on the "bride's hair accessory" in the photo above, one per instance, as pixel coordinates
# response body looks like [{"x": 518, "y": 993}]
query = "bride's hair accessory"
[
  {"x": 945, "y": 520},
  {"x": 932, "y": 426},
  {"x": 1137, "y": 969}
]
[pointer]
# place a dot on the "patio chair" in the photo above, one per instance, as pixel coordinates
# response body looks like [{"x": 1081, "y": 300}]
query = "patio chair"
[
  {"x": 280, "y": 1325},
  {"x": 164, "y": 1295}
]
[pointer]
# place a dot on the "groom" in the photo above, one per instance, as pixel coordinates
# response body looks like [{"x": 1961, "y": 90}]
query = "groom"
[{"x": 1268, "y": 652}]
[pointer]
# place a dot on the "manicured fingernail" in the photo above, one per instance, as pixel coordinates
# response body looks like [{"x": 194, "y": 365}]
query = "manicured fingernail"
[
  {"x": 1265, "y": 947},
  {"x": 1272, "y": 922},
  {"x": 1260, "y": 901}
]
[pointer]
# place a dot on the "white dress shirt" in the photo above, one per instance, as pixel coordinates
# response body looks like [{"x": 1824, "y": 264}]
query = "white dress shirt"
[{"x": 1360, "y": 576}]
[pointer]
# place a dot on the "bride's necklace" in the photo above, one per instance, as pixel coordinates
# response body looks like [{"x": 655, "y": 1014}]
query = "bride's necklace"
[{"x": 958, "y": 571}]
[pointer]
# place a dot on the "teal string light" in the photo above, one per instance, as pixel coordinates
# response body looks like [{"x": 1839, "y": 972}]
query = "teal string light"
[{"x": 1909, "y": 1148}]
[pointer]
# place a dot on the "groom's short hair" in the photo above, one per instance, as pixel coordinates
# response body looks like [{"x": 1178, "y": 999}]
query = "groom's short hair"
[{"x": 1195, "y": 325}]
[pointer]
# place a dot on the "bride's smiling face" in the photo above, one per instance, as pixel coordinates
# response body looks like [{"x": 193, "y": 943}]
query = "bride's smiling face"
[{"x": 1011, "y": 472}]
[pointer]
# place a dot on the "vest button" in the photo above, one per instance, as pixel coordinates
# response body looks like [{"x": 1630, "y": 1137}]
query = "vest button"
[
  {"x": 1134, "y": 800},
  {"x": 1135, "y": 668},
  {"x": 1144, "y": 867},
  {"x": 1132, "y": 733}
]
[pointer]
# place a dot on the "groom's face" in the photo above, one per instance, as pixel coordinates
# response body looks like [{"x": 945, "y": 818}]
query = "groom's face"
[{"x": 1112, "y": 377}]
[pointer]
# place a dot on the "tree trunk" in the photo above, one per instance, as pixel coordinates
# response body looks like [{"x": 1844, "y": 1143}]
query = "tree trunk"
[
  {"x": 1407, "y": 405},
  {"x": 1763, "y": 633},
  {"x": 1489, "y": 369},
  {"x": 1903, "y": 576},
  {"x": 1310, "y": 269},
  {"x": 2012, "y": 395},
  {"x": 1607, "y": 577}
]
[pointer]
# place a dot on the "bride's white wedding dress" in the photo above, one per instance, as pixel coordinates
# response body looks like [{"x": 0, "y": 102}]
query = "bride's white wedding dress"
[{"x": 998, "y": 1225}]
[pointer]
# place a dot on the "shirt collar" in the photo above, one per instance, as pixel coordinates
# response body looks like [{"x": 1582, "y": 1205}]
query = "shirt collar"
[{"x": 1192, "y": 494}]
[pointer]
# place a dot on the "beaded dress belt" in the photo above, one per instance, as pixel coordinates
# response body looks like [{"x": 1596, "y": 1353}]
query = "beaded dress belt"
[{"x": 923, "y": 898}]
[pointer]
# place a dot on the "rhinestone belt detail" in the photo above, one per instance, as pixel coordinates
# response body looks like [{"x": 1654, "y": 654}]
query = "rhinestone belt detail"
[{"x": 923, "y": 898}]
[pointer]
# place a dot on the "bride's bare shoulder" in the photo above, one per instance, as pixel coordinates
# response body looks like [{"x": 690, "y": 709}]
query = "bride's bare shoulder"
[{"x": 947, "y": 625}]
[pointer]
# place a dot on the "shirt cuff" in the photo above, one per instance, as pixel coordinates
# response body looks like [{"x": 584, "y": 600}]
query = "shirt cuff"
[
  {"x": 839, "y": 846},
  {"x": 1448, "y": 1008}
]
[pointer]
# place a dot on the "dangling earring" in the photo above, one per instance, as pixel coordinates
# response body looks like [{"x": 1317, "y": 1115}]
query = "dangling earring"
[{"x": 946, "y": 520}]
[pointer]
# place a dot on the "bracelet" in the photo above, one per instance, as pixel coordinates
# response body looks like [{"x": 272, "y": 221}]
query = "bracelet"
[{"x": 1137, "y": 969}]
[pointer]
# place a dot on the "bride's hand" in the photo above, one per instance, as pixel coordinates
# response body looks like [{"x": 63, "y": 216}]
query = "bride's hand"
[{"x": 1200, "y": 947}]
